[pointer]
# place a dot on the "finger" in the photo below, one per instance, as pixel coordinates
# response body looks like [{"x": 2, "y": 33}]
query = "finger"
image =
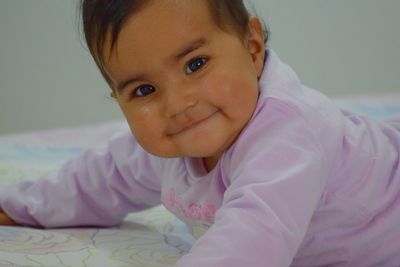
[{"x": 5, "y": 220}]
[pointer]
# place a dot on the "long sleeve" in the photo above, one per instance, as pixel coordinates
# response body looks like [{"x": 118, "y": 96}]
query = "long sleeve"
[
  {"x": 98, "y": 187},
  {"x": 276, "y": 183}
]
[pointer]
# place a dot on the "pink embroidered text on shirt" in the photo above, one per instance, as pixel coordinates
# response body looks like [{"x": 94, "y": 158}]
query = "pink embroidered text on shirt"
[{"x": 194, "y": 211}]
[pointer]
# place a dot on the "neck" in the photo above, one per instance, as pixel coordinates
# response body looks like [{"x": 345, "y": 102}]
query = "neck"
[{"x": 210, "y": 162}]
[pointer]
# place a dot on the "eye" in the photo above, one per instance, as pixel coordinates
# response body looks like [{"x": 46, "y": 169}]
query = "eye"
[
  {"x": 195, "y": 65},
  {"x": 144, "y": 90}
]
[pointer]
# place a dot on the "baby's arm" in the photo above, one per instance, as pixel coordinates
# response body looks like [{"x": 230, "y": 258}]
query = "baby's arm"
[
  {"x": 261, "y": 223},
  {"x": 98, "y": 188}
]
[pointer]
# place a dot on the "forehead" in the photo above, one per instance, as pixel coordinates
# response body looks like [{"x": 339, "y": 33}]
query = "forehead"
[
  {"x": 158, "y": 27},
  {"x": 162, "y": 19}
]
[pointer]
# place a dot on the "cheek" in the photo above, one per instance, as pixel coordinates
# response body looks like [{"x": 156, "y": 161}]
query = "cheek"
[
  {"x": 144, "y": 124},
  {"x": 236, "y": 93}
]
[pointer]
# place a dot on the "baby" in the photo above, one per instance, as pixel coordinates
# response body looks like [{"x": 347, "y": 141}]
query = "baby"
[{"x": 265, "y": 171}]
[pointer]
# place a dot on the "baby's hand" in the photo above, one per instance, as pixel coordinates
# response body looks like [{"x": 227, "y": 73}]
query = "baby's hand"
[{"x": 5, "y": 219}]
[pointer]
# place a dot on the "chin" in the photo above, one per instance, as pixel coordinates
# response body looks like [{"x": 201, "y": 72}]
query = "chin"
[{"x": 206, "y": 152}]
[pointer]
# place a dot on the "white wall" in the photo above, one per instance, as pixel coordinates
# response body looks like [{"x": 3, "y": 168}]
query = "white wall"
[
  {"x": 338, "y": 46},
  {"x": 47, "y": 78}
]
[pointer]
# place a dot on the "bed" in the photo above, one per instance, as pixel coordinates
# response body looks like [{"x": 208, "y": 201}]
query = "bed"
[{"x": 150, "y": 238}]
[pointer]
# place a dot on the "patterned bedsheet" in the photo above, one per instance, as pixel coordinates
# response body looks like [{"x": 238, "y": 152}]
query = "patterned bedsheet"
[{"x": 150, "y": 238}]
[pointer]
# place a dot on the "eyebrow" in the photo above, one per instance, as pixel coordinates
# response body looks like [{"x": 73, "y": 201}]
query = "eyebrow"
[
  {"x": 190, "y": 47},
  {"x": 182, "y": 52},
  {"x": 121, "y": 86}
]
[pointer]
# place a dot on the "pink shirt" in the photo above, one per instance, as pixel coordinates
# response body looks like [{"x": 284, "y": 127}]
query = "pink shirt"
[{"x": 305, "y": 184}]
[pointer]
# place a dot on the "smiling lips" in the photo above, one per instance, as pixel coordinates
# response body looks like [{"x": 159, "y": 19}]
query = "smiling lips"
[{"x": 189, "y": 125}]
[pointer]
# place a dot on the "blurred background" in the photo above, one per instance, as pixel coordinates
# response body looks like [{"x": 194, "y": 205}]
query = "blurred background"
[{"x": 48, "y": 79}]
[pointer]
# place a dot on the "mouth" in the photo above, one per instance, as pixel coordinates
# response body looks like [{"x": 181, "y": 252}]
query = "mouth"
[{"x": 191, "y": 125}]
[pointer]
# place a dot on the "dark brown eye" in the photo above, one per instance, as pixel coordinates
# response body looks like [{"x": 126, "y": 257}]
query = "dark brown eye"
[
  {"x": 195, "y": 65},
  {"x": 144, "y": 90}
]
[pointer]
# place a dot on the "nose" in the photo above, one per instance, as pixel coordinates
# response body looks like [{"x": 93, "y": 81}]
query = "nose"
[{"x": 180, "y": 99}]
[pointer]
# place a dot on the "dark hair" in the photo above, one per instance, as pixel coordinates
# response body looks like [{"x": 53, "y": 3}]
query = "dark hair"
[{"x": 103, "y": 17}]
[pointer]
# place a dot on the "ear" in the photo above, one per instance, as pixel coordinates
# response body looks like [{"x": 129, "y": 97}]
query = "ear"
[
  {"x": 113, "y": 94},
  {"x": 255, "y": 43}
]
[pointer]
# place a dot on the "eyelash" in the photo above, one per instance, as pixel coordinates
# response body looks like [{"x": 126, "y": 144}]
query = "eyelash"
[
  {"x": 192, "y": 63},
  {"x": 201, "y": 60},
  {"x": 136, "y": 92}
]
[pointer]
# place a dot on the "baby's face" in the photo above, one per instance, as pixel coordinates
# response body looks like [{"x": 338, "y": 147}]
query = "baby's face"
[{"x": 186, "y": 87}]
